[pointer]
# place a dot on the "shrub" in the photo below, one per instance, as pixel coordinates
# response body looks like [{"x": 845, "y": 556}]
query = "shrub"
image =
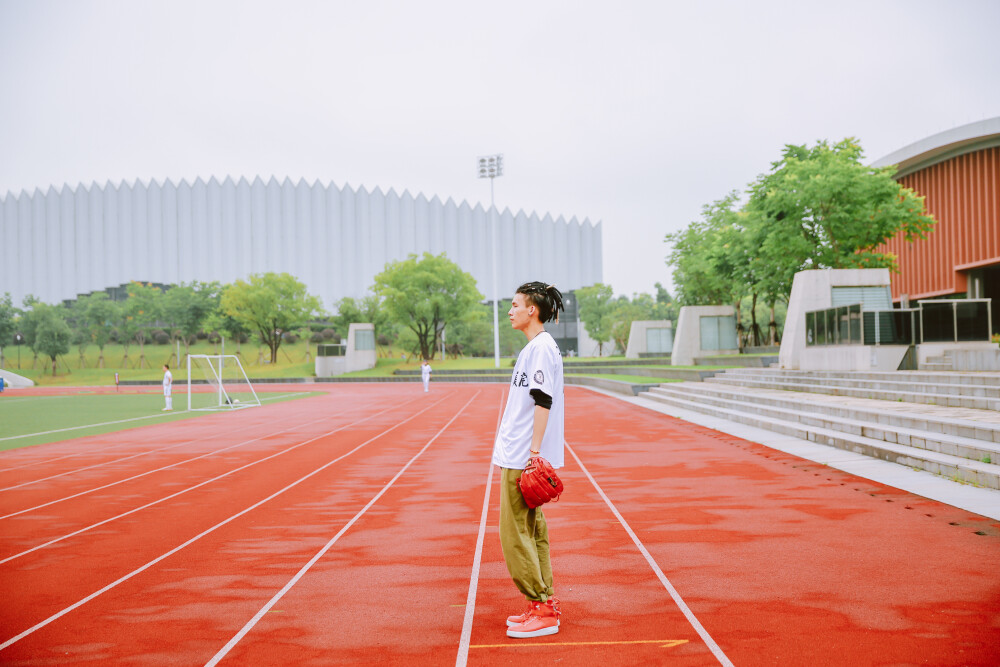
[
  {"x": 328, "y": 334},
  {"x": 291, "y": 337},
  {"x": 161, "y": 337},
  {"x": 214, "y": 337},
  {"x": 316, "y": 337},
  {"x": 201, "y": 335}
]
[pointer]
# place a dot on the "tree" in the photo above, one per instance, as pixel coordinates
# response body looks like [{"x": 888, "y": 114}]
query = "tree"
[
  {"x": 270, "y": 304},
  {"x": 224, "y": 324},
  {"x": 8, "y": 323},
  {"x": 100, "y": 314},
  {"x": 825, "y": 209},
  {"x": 368, "y": 309},
  {"x": 51, "y": 333},
  {"x": 142, "y": 308},
  {"x": 624, "y": 312},
  {"x": 595, "y": 307},
  {"x": 187, "y": 307},
  {"x": 425, "y": 295}
]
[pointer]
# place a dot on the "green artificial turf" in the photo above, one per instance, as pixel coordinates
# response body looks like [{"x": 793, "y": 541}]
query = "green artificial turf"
[{"x": 35, "y": 420}]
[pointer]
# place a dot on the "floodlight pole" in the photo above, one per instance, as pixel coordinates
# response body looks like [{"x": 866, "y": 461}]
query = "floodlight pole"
[{"x": 490, "y": 167}]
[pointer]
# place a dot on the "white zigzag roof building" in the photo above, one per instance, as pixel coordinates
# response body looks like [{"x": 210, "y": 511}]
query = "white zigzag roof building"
[{"x": 60, "y": 243}]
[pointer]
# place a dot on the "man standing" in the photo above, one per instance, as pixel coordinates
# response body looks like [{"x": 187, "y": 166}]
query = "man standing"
[
  {"x": 168, "y": 382},
  {"x": 532, "y": 426},
  {"x": 425, "y": 375}
]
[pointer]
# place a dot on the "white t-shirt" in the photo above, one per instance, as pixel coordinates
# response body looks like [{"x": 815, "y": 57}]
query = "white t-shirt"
[
  {"x": 425, "y": 372},
  {"x": 167, "y": 381},
  {"x": 539, "y": 366}
]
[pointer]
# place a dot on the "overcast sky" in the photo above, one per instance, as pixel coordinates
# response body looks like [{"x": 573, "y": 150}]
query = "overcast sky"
[{"x": 634, "y": 114}]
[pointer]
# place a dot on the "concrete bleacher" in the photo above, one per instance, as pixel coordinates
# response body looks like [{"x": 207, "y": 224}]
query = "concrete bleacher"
[{"x": 946, "y": 423}]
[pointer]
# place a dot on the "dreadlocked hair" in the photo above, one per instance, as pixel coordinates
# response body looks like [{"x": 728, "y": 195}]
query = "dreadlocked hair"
[{"x": 546, "y": 298}]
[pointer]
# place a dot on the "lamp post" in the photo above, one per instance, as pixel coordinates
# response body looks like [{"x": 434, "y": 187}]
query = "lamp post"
[
  {"x": 18, "y": 338},
  {"x": 491, "y": 166}
]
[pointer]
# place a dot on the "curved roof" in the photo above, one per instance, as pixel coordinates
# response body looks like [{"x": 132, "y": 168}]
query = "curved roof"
[{"x": 943, "y": 146}]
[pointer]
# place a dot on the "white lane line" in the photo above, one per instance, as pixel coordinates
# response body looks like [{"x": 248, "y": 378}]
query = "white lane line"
[
  {"x": 161, "y": 469},
  {"x": 143, "y": 568},
  {"x": 312, "y": 561},
  {"x": 196, "y": 486},
  {"x": 119, "y": 460},
  {"x": 93, "y": 451},
  {"x": 470, "y": 600},
  {"x": 187, "y": 442},
  {"x": 695, "y": 623}
]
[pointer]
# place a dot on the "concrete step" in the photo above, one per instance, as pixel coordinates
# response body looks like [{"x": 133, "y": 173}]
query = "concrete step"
[
  {"x": 905, "y": 395},
  {"x": 987, "y": 378},
  {"x": 965, "y": 423},
  {"x": 851, "y": 421},
  {"x": 877, "y": 384},
  {"x": 965, "y": 470}
]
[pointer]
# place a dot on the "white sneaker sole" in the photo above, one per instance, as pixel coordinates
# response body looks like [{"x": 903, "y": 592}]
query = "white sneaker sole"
[{"x": 533, "y": 633}]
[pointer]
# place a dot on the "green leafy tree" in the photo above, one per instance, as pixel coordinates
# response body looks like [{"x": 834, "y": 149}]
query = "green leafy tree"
[
  {"x": 705, "y": 255},
  {"x": 218, "y": 321},
  {"x": 100, "y": 314},
  {"x": 625, "y": 311},
  {"x": 28, "y": 323},
  {"x": 472, "y": 337},
  {"x": 270, "y": 304},
  {"x": 596, "y": 307},
  {"x": 8, "y": 323},
  {"x": 368, "y": 309},
  {"x": 187, "y": 307},
  {"x": 666, "y": 308},
  {"x": 143, "y": 307},
  {"x": 52, "y": 335},
  {"x": 426, "y": 294},
  {"x": 825, "y": 209}
]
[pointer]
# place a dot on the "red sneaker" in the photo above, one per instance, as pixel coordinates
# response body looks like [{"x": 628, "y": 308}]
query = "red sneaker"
[
  {"x": 543, "y": 619},
  {"x": 521, "y": 618}
]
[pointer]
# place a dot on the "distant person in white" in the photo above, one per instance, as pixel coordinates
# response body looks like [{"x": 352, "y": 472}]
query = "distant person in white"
[
  {"x": 168, "y": 383},
  {"x": 425, "y": 375}
]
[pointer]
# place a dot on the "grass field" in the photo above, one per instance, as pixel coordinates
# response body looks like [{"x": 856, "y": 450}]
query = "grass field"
[{"x": 35, "y": 420}]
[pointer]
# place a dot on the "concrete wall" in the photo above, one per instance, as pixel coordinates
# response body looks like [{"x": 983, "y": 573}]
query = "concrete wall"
[
  {"x": 359, "y": 360},
  {"x": 813, "y": 290},
  {"x": 60, "y": 243},
  {"x": 637, "y": 336},
  {"x": 687, "y": 340},
  {"x": 852, "y": 357}
]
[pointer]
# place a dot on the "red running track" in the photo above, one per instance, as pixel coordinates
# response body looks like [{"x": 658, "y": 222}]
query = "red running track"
[{"x": 343, "y": 529}]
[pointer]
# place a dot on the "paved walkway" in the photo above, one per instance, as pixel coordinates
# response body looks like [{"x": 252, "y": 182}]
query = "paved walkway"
[{"x": 983, "y": 501}]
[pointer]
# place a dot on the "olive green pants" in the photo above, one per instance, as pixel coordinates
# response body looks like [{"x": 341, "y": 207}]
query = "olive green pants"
[{"x": 524, "y": 538}]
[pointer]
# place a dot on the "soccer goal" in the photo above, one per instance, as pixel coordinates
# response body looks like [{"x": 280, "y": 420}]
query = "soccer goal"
[{"x": 228, "y": 387}]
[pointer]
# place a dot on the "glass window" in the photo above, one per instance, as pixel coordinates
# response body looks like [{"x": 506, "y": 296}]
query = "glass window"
[
  {"x": 973, "y": 321},
  {"x": 659, "y": 340},
  {"x": 364, "y": 339},
  {"x": 938, "y": 321},
  {"x": 811, "y": 328}
]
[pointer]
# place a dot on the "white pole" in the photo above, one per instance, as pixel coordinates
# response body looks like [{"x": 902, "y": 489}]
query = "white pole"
[
  {"x": 189, "y": 382},
  {"x": 496, "y": 286}
]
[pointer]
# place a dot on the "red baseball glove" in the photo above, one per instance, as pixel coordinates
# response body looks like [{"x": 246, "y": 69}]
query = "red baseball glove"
[{"x": 539, "y": 483}]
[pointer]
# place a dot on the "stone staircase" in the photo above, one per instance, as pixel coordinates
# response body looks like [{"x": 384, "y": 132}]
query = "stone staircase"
[{"x": 946, "y": 423}]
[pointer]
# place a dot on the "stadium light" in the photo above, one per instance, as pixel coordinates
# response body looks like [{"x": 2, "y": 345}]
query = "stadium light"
[{"x": 491, "y": 166}]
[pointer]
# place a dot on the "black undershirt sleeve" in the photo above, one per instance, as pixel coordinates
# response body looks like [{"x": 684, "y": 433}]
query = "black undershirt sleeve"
[{"x": 542, "y": 399}]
